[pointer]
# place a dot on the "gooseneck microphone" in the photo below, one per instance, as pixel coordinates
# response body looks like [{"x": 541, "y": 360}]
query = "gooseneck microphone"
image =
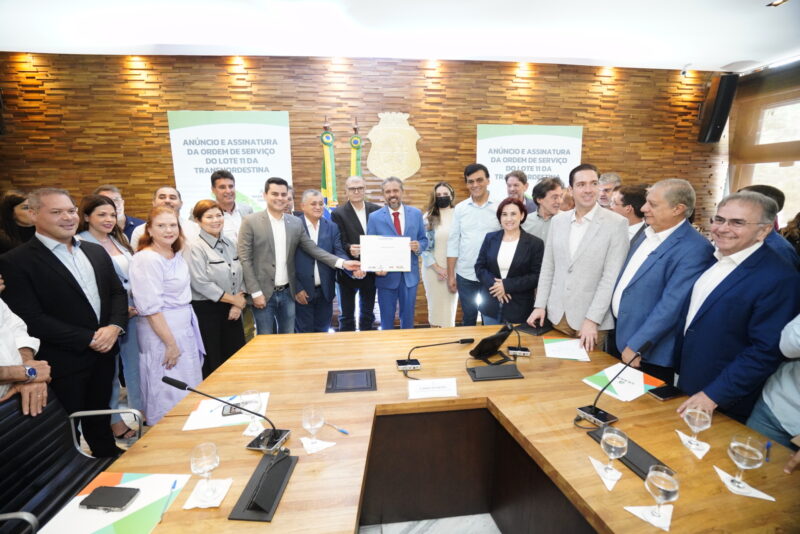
[
  {"x": 272, "y": 436},
  {"x": 410, "y": 364},
  {"x": 595, "y": 415}
]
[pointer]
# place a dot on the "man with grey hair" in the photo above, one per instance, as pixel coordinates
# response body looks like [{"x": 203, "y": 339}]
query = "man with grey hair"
[
  {"x": 732, "y": 321},
  {"x": 398, "y": 288},
  {"x": 352, "y": 218},
  {"x": 315, "y": 290},
  {"x": 657, "y": 277},
  {"x": 608, "y": 181}
]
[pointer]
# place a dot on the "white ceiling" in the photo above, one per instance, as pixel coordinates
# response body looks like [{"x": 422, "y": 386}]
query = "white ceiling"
[{"x": 734, "y": 35}]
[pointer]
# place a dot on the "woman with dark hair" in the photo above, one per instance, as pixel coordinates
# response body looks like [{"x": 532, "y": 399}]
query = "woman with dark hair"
[
  {"x": 16, "y": 225},
  {"x": 438, "y": 219},
  {"x": 508, "y": 267},
  {"x": 792, "y": 232},
  {"x": 217, "y": 296},
  {"x": 98, "y": 224},
  {"x": 169, "y": 338}
]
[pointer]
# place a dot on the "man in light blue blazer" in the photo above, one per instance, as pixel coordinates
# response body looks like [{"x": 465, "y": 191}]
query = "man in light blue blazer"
[
  {"x": 737, "y": 309},
  {"x": 397, "y": 219},
  {"x": 657, "y": 278},
  {"x": 315, "y": 280}
]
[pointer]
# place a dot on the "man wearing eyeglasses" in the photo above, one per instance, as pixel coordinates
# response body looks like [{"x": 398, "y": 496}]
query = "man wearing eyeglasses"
[
  {"x": 352, "y": 217},
  {"x": 736, "y": 311},
  {"x": 657, "y": 276},
  {"x": 68, "y": 294}
]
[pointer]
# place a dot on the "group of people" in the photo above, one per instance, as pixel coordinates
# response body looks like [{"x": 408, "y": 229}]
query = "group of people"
[{"x": 615, "y": 265}]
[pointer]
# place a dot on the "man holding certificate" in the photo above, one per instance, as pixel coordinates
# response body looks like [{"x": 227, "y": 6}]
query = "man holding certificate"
[{"x": 393, "y": 253}]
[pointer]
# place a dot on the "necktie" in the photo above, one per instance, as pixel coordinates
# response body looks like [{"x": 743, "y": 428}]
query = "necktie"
[{"x": 396, "y": 215}]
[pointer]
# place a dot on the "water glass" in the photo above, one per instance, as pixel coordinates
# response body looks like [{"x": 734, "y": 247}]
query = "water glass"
[
  {"x": 697, "y": 420},
  {"x": 746, "y": 452},
  {"x": 615, "y": 444},
  {"x": 313, "y": 420},
  {"x": 662, "y": 484},
  {"x": 251, "y": 400},
  {"x": 203, "y": 460}
]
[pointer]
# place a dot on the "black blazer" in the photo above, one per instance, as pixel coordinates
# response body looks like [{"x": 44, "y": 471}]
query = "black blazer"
[
  {"x": 522, "y": 279},
  {"x": 350, "y": 228},
  {"x": 48, "y": 298}
]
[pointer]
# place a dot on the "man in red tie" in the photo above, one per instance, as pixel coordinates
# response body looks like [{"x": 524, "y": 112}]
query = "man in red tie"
[{"x": 397, "y": 219}]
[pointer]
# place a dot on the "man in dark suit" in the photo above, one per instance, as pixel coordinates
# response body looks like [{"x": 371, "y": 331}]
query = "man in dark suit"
[
  {"x": 627, "y": 200},
  {"x": 315, "y": 280},
  {"x": 352, "y": 218},
  {"x": 268, "y": 241},
  {"x": 397, "y": 219},
  {"x": 736, "y": 311},
  {"x": 657, "y": 277},
  {"x": 68, "y": 294}
]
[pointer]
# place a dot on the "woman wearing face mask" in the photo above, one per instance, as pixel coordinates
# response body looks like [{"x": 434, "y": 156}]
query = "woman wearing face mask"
[
  {"x": 439, "y": 218},
  {"x": 217, "y": 290},
  {"x": 508, "y": 266},
  {"x": 16, "y": 225},
  {"x": 98, "y": 224}
]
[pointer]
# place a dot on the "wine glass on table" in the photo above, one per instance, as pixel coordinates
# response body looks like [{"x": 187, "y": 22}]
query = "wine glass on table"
[
  {"x": 662, "y": 484},
  {"x": 205, "y": 459},
  {"x": 251, "y": 400},
  {"x": 313, "y": 420},
  {"x": 746, "y": 452},
  {"x": 697, "y": 420},
  {"x": 615, "y": 444}
]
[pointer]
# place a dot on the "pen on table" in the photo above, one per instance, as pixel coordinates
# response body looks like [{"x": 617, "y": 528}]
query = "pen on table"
[
  {"x": 769, "y": 448},
  {"x": 342, "y": 430},
  {"x": 169, "y": 497}
]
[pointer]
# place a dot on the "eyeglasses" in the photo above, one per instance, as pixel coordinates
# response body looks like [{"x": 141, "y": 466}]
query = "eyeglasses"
[
  {"x": 356, "y": 189},
  {"x": 733, "y": 223}
]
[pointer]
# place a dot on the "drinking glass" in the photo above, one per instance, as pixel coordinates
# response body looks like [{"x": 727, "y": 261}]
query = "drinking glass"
[
  {"x": 251, "y": 399},
  {"x": 697, "y": 420},
  {"x": 205, "y": 459},
  {"x": 615, "y": 444},
  {"x": 747, "y": 453},
  {"x": 662, "y": 484},
  {"x": 313, "y": 420}
]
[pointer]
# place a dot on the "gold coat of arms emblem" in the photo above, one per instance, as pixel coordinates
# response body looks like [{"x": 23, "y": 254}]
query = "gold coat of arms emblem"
[{"x": 393, "y": 147}]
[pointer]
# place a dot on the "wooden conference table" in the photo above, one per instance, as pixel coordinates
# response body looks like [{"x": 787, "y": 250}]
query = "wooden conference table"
[{"x": 505, "y": 447}]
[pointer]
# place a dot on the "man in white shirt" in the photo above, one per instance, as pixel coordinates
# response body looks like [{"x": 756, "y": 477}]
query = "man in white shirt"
[
  {"x": 170, "y": 197},
  {"x": 223, "y": 187},
  {"x": 657, "y": 277},
  {"x": 473, "y": 218},
  {"x": 18, "y": 368},
  {"x": 627, "y": 200},
  {"x": 736, "y": 311},
  {"x": 268, "y": 241}
]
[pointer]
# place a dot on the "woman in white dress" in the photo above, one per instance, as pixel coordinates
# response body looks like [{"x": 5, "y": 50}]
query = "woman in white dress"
[{"x": 439, "y": 218}]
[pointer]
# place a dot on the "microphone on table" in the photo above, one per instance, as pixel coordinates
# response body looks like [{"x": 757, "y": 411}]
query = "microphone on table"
[
  {"x": 599, "y": 417},
  {"x": 411, "y": 364},
  {"x": 269, "y": 440}
]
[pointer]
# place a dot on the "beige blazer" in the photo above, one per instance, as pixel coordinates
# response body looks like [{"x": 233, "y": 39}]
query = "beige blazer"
[
  {"x": 257, "y": 251},
  {"x": 581, "y": 287}
]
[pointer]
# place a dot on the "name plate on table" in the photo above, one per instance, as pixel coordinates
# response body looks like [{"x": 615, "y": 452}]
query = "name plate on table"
[{"x": 382, "y": 253}]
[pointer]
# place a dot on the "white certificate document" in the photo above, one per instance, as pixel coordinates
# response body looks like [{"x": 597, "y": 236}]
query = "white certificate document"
[{"x": 382, "y": 253}]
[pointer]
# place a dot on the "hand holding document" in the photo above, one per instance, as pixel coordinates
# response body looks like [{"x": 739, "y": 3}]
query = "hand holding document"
[{"x": 387, "y": 254}]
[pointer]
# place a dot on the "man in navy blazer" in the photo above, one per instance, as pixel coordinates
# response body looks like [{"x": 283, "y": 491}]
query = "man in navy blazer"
[
  {"x": 315, "y": 280},
  {"x": 394, "y": 288},
  {"x": 657, "y": 278},
  {"x": 736, "y": 311}
]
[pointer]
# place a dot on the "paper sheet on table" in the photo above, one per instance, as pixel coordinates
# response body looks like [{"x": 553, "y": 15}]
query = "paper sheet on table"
[
  {"x": 209, "y": 414},
  {"x": 631, "y": 384},
  {"x": 565, "y": 348},
  {"x": 435, "y": 387},
  {"x": 142, "y": 515},
  {"x": 382, "y": 253}
]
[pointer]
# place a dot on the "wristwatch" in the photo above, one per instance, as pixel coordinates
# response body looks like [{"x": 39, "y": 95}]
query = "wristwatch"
[{"x": 31, "y": 373}]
